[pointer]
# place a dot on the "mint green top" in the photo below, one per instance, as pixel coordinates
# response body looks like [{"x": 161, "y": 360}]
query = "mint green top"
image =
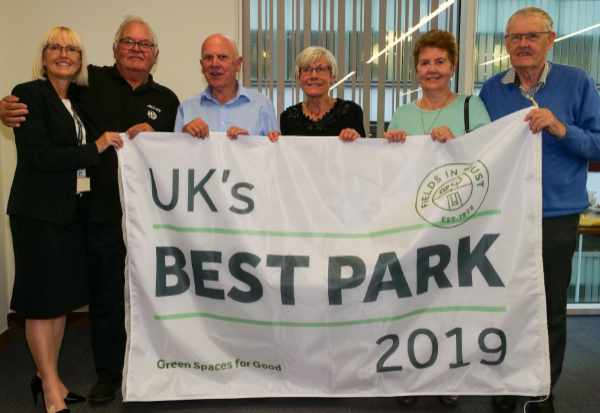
[{"x": 416, "y": 121}]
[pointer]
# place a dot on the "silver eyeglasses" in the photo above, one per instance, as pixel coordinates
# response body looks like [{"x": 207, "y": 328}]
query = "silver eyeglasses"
[
  {"x": 305, "y": 70},
  {"x": 530, "y": 36},
  {"x": 58, "y": 48},
  {"x": 129, "y": 43}
]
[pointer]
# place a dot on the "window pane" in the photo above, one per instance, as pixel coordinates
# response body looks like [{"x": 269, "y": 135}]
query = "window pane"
[
  {"x": 570, "y": 16},
  {"x": 353, "y": 30}
]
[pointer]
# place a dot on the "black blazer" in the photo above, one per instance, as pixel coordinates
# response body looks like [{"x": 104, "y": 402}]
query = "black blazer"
[
  {"x": 44, "y": 185},
  {"x": 105, "y": 203}
]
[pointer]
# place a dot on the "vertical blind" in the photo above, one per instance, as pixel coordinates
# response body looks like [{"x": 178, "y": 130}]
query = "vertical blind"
[{"x": 275, "y": 31}]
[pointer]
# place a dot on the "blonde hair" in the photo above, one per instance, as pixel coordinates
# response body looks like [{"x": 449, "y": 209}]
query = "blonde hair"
[
  {"x": 72, "y": 39},
  {"x": 532, "y": 11},
  {"x": 313, "y": 53}
]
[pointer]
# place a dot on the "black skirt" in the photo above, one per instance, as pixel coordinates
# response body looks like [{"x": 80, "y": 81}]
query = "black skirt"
[{"x": 50, "y": 267}]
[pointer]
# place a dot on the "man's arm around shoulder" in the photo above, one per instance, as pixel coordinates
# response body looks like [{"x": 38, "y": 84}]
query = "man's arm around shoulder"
[{"x": 12, "y": 112}]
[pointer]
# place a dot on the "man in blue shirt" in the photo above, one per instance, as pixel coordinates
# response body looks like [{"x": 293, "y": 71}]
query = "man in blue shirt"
[
  {"x": 225, "y": 105},
  {"x": 567, "y": 113}
]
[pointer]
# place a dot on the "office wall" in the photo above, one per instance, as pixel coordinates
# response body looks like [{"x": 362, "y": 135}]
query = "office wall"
[{"x": 180, "y": 27}]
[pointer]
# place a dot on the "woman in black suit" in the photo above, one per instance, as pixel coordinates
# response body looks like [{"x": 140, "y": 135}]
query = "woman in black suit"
[{"x": 48, "y": 203}]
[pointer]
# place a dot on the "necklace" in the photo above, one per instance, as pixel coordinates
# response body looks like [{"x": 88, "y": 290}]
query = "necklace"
[
  {"x": 427, "y": 131},
  {"x": 317, "y": 116}
]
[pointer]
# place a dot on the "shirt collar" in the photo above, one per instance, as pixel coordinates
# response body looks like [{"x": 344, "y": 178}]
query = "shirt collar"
[
  {"x": 117, "y": 75},
  {"x": 241, "y": 95},
  {"x": 512, "y": 77}
]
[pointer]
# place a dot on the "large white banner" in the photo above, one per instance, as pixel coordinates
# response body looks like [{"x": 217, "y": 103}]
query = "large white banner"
[{"x": 313, "y": 267}]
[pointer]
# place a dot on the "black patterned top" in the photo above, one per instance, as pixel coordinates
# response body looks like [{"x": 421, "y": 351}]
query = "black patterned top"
[{"x": 344, "y": 114}]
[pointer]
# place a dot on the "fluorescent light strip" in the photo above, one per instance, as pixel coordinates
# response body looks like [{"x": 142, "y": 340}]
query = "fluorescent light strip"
[
  {"x": 413, "y": 29},
  {"x": 341, "y": 81},
  {"x": 403, "y": 37},
  {"x": 586, "y": 29},
  {"x": 577, "y": 32},
  {"x": 410, "y": 92},
  {"x": 498, "y": 59}
]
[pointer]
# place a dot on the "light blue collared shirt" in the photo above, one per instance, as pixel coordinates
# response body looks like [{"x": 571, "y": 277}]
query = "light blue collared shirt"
[{"x": 248, "y": 110}]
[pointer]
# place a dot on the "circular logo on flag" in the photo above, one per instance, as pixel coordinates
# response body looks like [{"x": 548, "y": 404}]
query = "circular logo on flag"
[
  {"x": 451, "y": 194},
  {"x": 152, "y": 114}
]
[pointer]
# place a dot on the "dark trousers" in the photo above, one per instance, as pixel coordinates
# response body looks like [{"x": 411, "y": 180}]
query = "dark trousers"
[
  {"x": 106, "y": 264},
  {"x": 559, "y": 239}
]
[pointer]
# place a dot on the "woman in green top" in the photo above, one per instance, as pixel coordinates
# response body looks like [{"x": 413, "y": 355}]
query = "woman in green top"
[{"x": 439, "y": 112}]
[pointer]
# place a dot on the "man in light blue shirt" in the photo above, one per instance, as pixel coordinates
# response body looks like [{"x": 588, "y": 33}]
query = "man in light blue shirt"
[{"x": 224, "y": 106}]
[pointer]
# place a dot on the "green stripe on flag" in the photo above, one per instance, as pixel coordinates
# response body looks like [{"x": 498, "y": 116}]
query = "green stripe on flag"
[
  {"x": 308, "y": 234},
  {"x": 343, "y": 323}
]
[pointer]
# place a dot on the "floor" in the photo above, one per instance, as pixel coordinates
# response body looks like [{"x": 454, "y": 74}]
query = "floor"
[{"x": 577, "y": 392}]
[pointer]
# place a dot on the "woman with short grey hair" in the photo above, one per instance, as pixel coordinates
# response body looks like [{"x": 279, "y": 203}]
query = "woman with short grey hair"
[{"x": 319, "y": 114}]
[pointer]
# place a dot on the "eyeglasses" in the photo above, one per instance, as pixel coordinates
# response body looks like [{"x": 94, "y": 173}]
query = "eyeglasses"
[
  {"x": 57, "y": 48},
  {"x": 530, "y": 37},
  {"x": 305, "y": 70},
  {"x": 129, "y": 43}
]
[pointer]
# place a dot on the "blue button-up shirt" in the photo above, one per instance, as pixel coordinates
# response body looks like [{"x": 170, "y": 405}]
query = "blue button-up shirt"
[{"x": 248, "y": 110}]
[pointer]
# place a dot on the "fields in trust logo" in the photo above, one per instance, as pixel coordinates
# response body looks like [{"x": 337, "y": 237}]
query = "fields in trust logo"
[{"x": 451, "y": 194}]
